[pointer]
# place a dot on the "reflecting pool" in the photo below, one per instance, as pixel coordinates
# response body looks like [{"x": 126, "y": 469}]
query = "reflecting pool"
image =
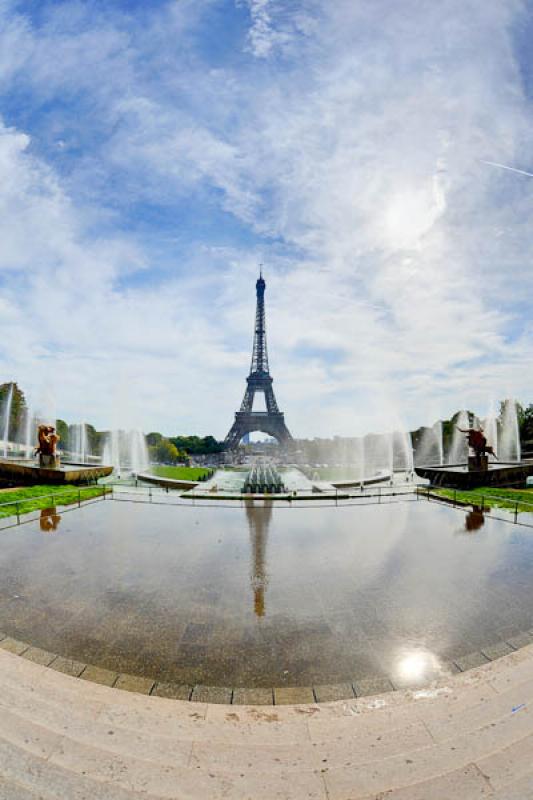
[{"x": 259, "y": 594}]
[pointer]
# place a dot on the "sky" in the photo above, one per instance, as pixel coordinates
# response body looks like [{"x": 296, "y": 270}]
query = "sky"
[{"x": 376, "y": 157}]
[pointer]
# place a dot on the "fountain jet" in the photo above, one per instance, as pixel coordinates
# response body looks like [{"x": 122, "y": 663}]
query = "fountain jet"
[{"x": 7, "y": 418}]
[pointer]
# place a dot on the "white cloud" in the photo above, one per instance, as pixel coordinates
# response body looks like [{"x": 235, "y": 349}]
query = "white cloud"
[
  {"x": 396, "y": 261},
  {"x": 275, "y": 24}
]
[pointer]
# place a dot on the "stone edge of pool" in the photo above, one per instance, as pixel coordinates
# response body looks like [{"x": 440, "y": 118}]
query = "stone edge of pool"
[{"x": 283, "y": 695}]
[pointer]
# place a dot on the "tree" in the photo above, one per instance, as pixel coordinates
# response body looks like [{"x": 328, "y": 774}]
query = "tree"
[
  {"x": 153, "y": 439},
  {"x": 526, "y": 424},
  {"x": 165, "y": 452},
  {"x": 197, "y": 445}
]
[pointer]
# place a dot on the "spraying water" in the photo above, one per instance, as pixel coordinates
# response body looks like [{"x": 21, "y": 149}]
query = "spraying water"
[
  {"x": 111, "y": 453},
  {"x": 429, "y": 450},
  {"x": 126, "y": 451},
  {"x": 29, "y": 433},
  {"x": 509, "y": 446},
  {"x": 78, "y": 442},
  {"x": 440, "y": 444},
  {"x": 7, "y": 418},
  {"x": 490, "y": 429},
  {"x": 402, "y": 451},
  {"x": 138, "y": 451},
  {"x": 378, "y": 454},
  {"x": 458, "y": 453}
]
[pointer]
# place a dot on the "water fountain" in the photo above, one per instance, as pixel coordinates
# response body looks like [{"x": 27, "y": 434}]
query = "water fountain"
[
  {"x": 378, "y": 454},
  {"x": 28, "y": 435},
  {"x": 111, "y": 452},
  {"x": 7, "y": 419},
  {"x": 491, "y": 453},
  {"x": 263, "y": 479},
  {"x": 430, "y": 448},
  {"x": 490, "y": 429},
  {"x": 78, "y": 443},
  {"x": 509, "y": 444},
  {"x": 402, "y": 451},
  {"x": 48, "y": 469},
  {"x": 126, "y": 451},
  {"x": 458, "y": 452},
  {"x": 137, "y": 451}
]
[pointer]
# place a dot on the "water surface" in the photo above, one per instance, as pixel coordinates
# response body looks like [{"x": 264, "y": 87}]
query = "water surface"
[{"x": 256, "y": 594}]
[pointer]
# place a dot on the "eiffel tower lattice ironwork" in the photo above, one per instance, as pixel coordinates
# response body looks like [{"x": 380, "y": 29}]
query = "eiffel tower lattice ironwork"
[{"x": 271, "y": 421}]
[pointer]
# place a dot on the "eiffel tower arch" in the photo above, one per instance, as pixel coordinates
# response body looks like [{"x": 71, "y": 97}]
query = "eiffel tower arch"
[{"x": 271, "y": 421}]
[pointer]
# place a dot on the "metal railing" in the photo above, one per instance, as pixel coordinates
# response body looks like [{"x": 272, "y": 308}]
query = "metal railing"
[
  {"x": 19, "y": 504},
  {"x": 165, "y": 496},
  {"x": 512, "y": 506}
]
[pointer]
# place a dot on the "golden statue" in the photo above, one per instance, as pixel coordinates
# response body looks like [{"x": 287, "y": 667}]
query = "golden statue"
[{"x": 48, "y": 439}]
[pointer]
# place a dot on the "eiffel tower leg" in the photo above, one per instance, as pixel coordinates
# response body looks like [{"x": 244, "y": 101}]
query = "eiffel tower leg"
[
  {"x": 234, "y": 436},
  {"x": 270, "y": 400}
]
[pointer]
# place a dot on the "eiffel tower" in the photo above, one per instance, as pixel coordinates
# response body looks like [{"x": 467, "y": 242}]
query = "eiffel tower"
[{"x": 271, "y": 421}]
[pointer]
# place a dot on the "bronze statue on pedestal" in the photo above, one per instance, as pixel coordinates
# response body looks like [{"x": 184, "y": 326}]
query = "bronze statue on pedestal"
[{"x": 477, "y": 441}]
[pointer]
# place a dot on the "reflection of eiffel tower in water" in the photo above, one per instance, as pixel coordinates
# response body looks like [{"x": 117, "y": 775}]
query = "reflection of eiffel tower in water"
[{"x": 259, "y": 517}]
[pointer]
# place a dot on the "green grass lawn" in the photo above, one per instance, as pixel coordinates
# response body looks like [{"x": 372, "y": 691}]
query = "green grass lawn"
[
  {"x": 32, "y": 498},
  {"x": 501, "y": 498},
  {"x": 181, "y": 473}
]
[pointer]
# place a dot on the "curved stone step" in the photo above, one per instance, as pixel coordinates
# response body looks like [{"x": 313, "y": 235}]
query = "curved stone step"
[
  {"x": 64, "y": 737},
  {"x": 37, "y": 778}
]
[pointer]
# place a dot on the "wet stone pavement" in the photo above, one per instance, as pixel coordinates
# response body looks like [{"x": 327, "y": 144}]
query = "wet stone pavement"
[{"x": 259, "y": 596}]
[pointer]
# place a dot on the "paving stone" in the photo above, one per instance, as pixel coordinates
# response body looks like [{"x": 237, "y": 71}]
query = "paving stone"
[
  {"x": 368, "y": 686},
  {"x": 288, "y": 695},
  {"x": 497, "y": 650},
  {"x": 39, "y": 656},
  {"x": 211, "y": 694},
  {"x": 175, "y": 691},
  {"x": 69, "y": 666},
  {"x": 99, "y": 675},
  {"x": 471, "y": 661},
  {"x": 253, "y": 697},
  {"x": 520, "y": 640},
  {"x": 134, "y": 683},
  {"x": 14, "y": 646},
  {"x": 336, "y": 691}
]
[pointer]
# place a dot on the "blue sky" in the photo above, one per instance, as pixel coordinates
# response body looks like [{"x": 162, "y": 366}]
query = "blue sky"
[{"x": 153, "y": 154}]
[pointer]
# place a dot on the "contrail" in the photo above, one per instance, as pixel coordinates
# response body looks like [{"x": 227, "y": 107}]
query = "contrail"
[{"x": 511, "y": 169}]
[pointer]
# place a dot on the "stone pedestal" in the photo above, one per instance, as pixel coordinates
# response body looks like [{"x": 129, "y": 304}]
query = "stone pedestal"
[
  {"x": 477, "y": 463},
  {"x": 49, "y": 462}
]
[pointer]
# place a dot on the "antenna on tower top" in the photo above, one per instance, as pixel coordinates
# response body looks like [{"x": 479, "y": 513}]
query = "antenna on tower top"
[{"x": 260, "y": 270}]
